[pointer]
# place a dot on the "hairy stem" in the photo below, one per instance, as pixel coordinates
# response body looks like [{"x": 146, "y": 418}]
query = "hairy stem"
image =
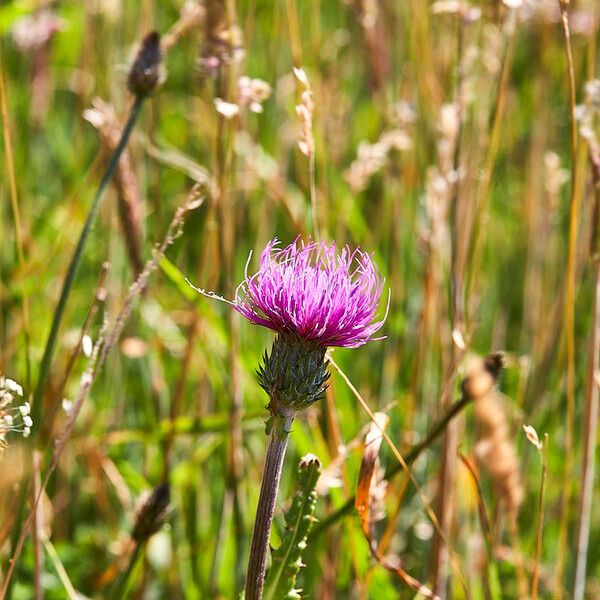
[{"x": 278, "y": 439}]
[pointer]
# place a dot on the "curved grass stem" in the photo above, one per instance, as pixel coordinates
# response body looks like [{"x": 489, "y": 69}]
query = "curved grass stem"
[
  {"x": 76, "y": 258},
  {"x": 410, "y": 457}
]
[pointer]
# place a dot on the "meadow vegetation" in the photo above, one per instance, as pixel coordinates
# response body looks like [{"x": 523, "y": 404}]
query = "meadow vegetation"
[{"x": 456, "y": 143}]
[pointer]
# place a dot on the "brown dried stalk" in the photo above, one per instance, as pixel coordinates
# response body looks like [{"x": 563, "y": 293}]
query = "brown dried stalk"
[
  {"x": 104, "y": 118},
  {"x": 364, "y": 502}
]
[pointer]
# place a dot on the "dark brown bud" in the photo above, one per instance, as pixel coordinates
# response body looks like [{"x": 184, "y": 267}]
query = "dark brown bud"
[
  {"x": 152, "y": 514},
  {"x": 145, "y": 73}
]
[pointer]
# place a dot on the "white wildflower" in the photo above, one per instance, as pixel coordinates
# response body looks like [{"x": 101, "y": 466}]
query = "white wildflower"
[
  {"x": 227, "y": 109},
  {"x": 532, "y": 436},
  {"x": 13, "y": 386},
  {"x": 86, "y": 345},
  {"x": 67, "y": 406}
]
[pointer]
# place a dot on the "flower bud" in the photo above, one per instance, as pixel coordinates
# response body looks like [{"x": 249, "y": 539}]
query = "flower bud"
[
  {"x": 294, "y": 375},
  {"x": 152, "y": 514},
  {"x": 145, "y": 73}
]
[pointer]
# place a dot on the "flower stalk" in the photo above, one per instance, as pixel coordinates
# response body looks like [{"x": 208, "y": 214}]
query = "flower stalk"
[
  {"x": 280, "y": 426},
  {"x": 313, "y": 297}
]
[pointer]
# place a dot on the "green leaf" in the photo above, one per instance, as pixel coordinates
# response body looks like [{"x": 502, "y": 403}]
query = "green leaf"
[{"x": 287, "y": 559}]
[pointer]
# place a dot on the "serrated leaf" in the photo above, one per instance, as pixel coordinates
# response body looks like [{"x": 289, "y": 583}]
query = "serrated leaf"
[{"x": 287, "y": 559}]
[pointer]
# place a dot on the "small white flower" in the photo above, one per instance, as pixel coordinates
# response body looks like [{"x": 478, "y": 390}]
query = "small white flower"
[
  {"x": 25, "y": 409},
  {"x": 301, "y": 76},
  {"x": 8, "y": 420},
  {"x": 86, "y": 345},
  {"x": 532, "y": 436},
  {"x": 27, "y": 421},
  {"x": 67, "y": 406},
  {"x": 227, "y": 109},
  {"x": 5, "y": 398},
  {"x": 26, "y": 432},
  {"x": 13, "y": 386}
]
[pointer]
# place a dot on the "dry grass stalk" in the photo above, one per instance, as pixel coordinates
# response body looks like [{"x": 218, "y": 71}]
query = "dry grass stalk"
[
  {"x": 496, "y": 453},
  {"x": 369, "y": 499},
  {"x": 375, "y": 41},
  {"x": 570, "y": 289},
  {"x": 222, "y": 42},
  {"x": 495, "y": 450},
  {"x": 192, "y": 15},
  {"x": 406, "y": 468},
  {"x": 103, "y": 117}
]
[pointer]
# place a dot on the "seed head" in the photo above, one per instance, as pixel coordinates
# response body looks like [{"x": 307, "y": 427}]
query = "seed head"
[
  {"x": 152, "y": 514},
  {"x": 145, "y": 74}
]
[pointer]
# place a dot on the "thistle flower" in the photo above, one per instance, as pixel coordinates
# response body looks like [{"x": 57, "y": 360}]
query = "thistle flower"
[
  {"x": 312, "y": 292},
  {"x": 314, "y": 297}
]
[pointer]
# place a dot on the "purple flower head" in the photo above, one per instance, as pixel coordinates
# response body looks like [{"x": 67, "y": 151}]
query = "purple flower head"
[{"x": 312, "y": 291}]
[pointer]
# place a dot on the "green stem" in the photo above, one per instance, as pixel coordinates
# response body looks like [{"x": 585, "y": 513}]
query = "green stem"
[
  {"x": 278, "y": 439},
  {"x": 120, "y": 585},
  {"x": 76, "y": 259}
]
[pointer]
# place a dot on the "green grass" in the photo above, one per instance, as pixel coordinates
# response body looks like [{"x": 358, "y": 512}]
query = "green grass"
[{"x": 163, "y": 404}]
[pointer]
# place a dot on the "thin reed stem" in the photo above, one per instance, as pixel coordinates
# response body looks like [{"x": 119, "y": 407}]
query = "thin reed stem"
[
  {"x": 313, "y": 195},
  {"x": 589, "y": 441},
  {"x": 119, "y": 588},
  {"x": 405, "y": 467},
  {"x": 483, "y": 192},
  {"x": 569, "y": 318},
  {"x": 66, "y": 290},
  {"x": 540, "y": 522},
  {"x": 14, "y": 201},
  {"x": 103, "y": 345},
  {"x": 278, "y": 440},
  {"x": 77, "y": 256}
]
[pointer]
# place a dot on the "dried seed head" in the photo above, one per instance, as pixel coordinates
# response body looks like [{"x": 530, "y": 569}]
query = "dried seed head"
[
  {"x": 223, "y": 40},
  {"x": 495, "y": 448},
  {"x": 145, "y": 74},
  {"x": 152, "y": 514},
  {"x": 482, "y": 375},
  {"x": 532, "y": 435}
]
